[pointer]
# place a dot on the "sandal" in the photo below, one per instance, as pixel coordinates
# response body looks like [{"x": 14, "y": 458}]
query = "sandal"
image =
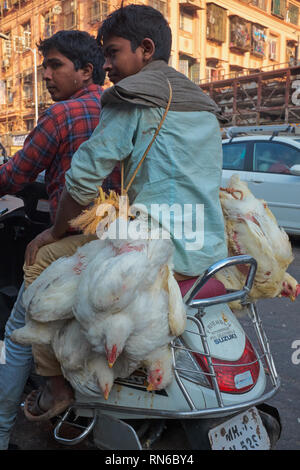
[{"x": 44, "y": 415}]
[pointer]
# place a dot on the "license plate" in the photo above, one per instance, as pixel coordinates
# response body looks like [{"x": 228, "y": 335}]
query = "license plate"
[{"x": 244, "y": 431}]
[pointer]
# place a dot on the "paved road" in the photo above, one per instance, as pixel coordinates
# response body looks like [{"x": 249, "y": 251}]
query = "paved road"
[{"x": 281, "y": 319}]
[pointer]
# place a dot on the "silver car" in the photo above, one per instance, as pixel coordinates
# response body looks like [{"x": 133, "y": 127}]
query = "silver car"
[{"x": 271, "y": 167}]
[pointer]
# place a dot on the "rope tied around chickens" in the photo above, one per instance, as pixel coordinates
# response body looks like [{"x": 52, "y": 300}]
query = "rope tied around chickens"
[
  {"x": 232, "y": 191},
  {"x": 89, "y": 219}
]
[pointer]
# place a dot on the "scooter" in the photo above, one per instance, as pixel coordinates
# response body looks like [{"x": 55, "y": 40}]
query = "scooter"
[{"x": 223, "y": 377}]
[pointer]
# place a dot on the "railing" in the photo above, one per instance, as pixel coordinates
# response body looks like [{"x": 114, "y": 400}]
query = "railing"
[{"x": 247, "y": 72}]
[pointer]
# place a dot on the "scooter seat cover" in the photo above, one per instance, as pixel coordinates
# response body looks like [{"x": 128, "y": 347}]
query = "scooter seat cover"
[{"x": 212, "y": 288}]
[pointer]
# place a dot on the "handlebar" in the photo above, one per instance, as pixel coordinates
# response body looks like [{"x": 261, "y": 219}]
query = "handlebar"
[{"x": 211, "y": 271}]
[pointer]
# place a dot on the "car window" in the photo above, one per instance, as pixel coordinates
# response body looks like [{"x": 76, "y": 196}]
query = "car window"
[
  {"x": 234, "y": 156},
  {"x": 274, "y": 157}
]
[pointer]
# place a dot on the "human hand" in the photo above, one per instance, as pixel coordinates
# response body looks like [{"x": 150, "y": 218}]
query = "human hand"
[{"x": 44, "y": 238}]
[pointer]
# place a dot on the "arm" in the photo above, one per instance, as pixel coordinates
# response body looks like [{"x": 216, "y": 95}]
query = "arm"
[
  {"x": 111, "y": 142},
  {"x": 36, "y": 155},
  {"x": 67, "y": 210}
]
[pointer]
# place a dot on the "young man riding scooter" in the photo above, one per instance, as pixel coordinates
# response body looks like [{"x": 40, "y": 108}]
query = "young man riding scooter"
[
  {"x": 73, "y": 73},
  {"x": 182, "y": 167}
]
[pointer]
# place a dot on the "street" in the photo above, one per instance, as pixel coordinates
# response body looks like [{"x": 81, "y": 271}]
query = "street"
[{"x": 281, "y": 322}]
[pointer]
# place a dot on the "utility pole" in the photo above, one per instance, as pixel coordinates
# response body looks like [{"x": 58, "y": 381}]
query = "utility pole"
[{"x": 36, "y": 106}]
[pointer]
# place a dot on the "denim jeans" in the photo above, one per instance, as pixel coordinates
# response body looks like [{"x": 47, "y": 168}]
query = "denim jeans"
[{"x": 13, "y": 373}]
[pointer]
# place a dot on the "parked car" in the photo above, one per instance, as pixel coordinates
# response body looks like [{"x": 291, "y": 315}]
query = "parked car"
[{"x": 271, "y": 167}]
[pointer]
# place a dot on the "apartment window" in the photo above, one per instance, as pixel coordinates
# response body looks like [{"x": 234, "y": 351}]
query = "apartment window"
[
  {"x": 216, "y": 23},
  {"x": 279, "y": 8},
  {"x": 7, "y": 46},
  {"x": 273, "y": 48},
  {"x": 262, "y": 4},
  {"x": 44, "y": 97},
  {"x": 27, "y": 35},
  {"x": 99, "y": 10},
  {"x": 160, "y": 5},
  {"x": 18, "y": 44},
  {"x": 190, "y": 68},
  {"x": 292, "y": 15},
  {"x": 240, "y": 34},
  {"x": 186, "y": 21},
  {"x": 195, "y": 72},
  {"x": 5, "y": 6},
  {"x": 184, "y": 66},
  {"x": 29, "y": 124},
  {"x": 49, "y": 24},
  {"x": 27, "y": 86},
  {"x": 213, "y": 70},
  {"x": 211, "y": 74},
  {"x": 9, "y": 91},
  {"x": 2, "y": 92},
  {"x": 291, "y": 52},
  {"x": 70, "y": 14},
  {"x": 258, "y": 40}
]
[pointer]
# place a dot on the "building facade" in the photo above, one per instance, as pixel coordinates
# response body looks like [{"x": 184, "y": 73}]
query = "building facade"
[{"x": 212, "y": 40}]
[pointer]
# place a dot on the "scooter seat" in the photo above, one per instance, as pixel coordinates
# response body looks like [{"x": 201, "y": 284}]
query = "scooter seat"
[{"x": 212, "y": 288}]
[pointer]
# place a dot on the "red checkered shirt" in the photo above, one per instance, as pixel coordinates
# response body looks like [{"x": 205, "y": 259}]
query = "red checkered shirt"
[{"x": 50, "y": 146}]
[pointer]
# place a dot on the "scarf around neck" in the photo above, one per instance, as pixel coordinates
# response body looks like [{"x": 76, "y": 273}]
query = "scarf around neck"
[{"x": 149, "y": 87}]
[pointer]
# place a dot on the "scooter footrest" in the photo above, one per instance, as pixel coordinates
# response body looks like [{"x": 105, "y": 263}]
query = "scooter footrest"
[{"x": 71, "y": 426}]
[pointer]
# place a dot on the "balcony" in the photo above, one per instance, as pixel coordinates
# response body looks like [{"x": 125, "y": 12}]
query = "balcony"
[
  {"x": 239, "y": 34},
  {"x": 192, "y": 5}
]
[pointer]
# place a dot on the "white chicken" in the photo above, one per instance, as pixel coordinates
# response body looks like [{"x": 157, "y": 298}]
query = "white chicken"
[
  {"x": 50, "y": 297},
  {"x": 96, "y": 376},
  {"x": 35, "y": 332},
  {"x": 63, "y": 344},
  {"x": 122, "y": 305},
  {"x": 252, "y": 229},
  {"x": 159, "y": 366},
  {"x": 124, "y": 299}
]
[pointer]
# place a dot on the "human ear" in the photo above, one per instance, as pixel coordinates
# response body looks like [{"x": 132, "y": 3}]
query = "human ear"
[
  {"x": 148, "y": 48},
  {"x": 87, "y": 70}
]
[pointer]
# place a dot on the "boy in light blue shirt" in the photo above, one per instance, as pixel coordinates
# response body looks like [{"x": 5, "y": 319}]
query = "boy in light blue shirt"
[
  {"x": 183, "y": 167},
  {"x": 181, "y": 172}
]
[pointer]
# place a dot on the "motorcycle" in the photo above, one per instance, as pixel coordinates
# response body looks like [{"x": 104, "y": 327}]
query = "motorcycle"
[
  {"x": 223, "y": 375},
  {"x": 22, "y": 217}
]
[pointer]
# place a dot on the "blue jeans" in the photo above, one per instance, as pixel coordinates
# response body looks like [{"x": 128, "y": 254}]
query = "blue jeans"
[{"x": 14, "y": 373}]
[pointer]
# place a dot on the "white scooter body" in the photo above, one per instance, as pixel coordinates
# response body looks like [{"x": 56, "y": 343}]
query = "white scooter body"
[
  {"x": 214, "y": 333},
  {"x": 133, "y": 390}
]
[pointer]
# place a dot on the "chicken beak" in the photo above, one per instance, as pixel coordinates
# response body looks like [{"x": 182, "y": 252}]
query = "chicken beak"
[
  {"x": 106, "y": 392},
  {"x": 112, "y": 356},
  {"x": 150, "y": 388}
]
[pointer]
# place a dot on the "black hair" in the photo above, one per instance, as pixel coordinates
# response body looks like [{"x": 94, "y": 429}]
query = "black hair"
[
  {"x": 79, "y": 47},
  {"x": 136, "y": 22}
]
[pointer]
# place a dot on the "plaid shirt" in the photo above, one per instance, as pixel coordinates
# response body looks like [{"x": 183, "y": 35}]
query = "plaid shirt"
[{"x": 50, "y": 146}]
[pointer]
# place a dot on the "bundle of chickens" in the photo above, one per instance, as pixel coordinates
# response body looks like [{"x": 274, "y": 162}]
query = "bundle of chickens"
[
  {"x": 111, "y": 308},
  {"x": 252, "y": 229}
]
